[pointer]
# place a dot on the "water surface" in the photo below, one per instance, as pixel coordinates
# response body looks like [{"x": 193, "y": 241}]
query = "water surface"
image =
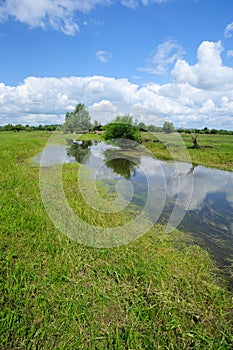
[{"x": 202, "y": 197}]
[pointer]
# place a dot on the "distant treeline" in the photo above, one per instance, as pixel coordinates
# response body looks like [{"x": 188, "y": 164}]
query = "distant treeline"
[
  {"x": 20, "y": 127},
  {"x": 205, "y": 131},
  {"x": 98, "y": 126}
]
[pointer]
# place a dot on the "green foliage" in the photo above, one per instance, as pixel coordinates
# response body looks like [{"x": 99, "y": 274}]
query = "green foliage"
[
  {"x": 78, "y": 120},
  {"x": 205, "y": 130},
  {"x": 142, "y": 126},
  {"x": 122, "y": 128},
  {"x": 125, "y": 119},
  {"x": 168, "y": 127},
  {"x": 153, "y": 128},
  {"x": 20, "y": 127}
]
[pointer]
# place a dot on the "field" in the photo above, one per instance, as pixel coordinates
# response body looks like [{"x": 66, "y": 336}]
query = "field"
[
  {"x": 216, "y": 150},
  {"x": 160, "y": 292}
]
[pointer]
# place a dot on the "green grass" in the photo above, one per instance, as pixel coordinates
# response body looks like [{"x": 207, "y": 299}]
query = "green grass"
[
  {"x": 160, "y": 292},
  {"x": 216, "y": 150}
]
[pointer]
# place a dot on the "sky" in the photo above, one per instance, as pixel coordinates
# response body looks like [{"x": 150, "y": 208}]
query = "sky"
[{"x": 156, "y": 60}]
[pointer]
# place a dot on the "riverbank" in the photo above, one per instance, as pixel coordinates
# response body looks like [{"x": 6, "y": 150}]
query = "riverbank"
[
  {"x": 215, "y": 151},
  {"x": 161, "y": 291}
]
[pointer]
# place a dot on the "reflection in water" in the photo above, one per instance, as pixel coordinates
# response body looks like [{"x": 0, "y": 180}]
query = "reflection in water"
[
  {"x": 209, "y": 217},
  {"x": 123, "y": 165},
  {"x": 79, "y": 149}
]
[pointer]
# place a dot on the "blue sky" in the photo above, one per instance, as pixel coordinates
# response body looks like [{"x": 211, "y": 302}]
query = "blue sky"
[{"x": 155, "y": 59}]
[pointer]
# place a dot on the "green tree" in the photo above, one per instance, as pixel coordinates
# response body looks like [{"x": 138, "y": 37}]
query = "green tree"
[
  {"x": 125, "y": 119},
  {"x": 152, "y": 128},
  {"x": 18, "y": 127},
  {"x": 142, "y": 126},
  {"x": 168, "y": 127},
  {"x": 121, "y": 129},
  {"x": 206, "y": 130},
  {"x": 78, "y": 120},
  {"x": 8, "y": 127}
]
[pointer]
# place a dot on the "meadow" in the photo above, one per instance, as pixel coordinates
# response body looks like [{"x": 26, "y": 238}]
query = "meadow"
[
  {"x": 215, "y": 150},
  {"x": 160, "y": 292}
]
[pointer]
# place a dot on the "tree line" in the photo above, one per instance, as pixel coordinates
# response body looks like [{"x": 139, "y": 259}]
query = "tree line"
[
  {"x": 79, "y": 121},
  {"x": 20, "y": 127}
]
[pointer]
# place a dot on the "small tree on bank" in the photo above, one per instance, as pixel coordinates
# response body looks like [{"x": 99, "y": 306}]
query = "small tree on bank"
[
  {"x": 78, "y": 120},
  {"x": 194, "y": 140},
  {"x": 168, "y": 127}
]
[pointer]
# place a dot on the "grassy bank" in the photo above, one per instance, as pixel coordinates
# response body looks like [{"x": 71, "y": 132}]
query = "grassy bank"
[
  {"x": 215, "y": 150},
  {"x": 156, "y": 293}
]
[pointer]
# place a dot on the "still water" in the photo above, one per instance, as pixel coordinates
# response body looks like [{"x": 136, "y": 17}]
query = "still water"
[{"x": 195, "y": 199}]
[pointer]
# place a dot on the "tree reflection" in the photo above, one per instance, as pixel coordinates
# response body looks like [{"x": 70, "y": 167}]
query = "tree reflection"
[
  {"x": 78, "y": 149},
  {"x": 121, "y": 163}
]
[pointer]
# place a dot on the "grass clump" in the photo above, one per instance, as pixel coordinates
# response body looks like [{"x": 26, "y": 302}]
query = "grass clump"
[{"x": 160, "y": 292}]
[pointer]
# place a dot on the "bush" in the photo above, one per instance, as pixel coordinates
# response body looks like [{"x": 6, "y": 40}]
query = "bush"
[
  {"x": 122, "y": 128},
  {"x": 122, "y": 131}
]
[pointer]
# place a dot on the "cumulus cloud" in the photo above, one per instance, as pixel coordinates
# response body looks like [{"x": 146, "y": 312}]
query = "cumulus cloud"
[
  {"x": 103, "y": 56},
  {"x": 209, "y": 72},
  {"x": 57, "y": 14},
  {"x": 199, "y": 95},
  {"x": 228, "y": 30},
  {"x": 103, "y": 111},
  {"x": 164, "y": 58}
]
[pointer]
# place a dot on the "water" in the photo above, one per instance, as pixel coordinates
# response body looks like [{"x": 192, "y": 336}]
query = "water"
[{"x": 197, "y": 200}]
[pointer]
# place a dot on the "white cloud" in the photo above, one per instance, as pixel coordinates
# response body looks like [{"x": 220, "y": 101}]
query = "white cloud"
[
  {"x": 103, "y": 111},
  {"x": 103, "y": 56},
  {"x": 130, "y": 3},
  {"x": 230, "y": 53},
  {"x": 197, "y": 179},
  {"x": 228, "y": 30},
  {"x": 200, "y": 95},
  {"x": 166, "y": 55},
  {"x": 134, "y": 3},
  {"x": 57, "y": 14},
  {"x": 209, "y": 72}
]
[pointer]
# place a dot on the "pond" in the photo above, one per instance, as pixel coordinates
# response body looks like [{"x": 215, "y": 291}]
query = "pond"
[{"x": 195, "y": 199}]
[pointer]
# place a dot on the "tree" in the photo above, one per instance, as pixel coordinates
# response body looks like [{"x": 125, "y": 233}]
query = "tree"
[
  {"x": 168, "y": 127},
  {"x": 194, "y": 140},
  {"x": 78, "y": 120},
  {"x": 206, "y": 130},
  {"x": 96, "y": 124},
  {"x": 152, "y": 128},
  {"x": 125, "y": 119},
  {"x": 142, "y": 126},
  {"x": 18, "y": 127},
  {"x": 121, "y": 129}
]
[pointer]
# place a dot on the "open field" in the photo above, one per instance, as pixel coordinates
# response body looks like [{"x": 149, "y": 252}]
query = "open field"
[
  {"x": 160, "y": 292},
  {"x": 216, "y": 150}
]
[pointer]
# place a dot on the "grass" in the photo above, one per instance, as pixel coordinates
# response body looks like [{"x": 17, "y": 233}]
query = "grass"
[
  {"x": 160, "y": 292},
  {"x": 215, "y": 151}
]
